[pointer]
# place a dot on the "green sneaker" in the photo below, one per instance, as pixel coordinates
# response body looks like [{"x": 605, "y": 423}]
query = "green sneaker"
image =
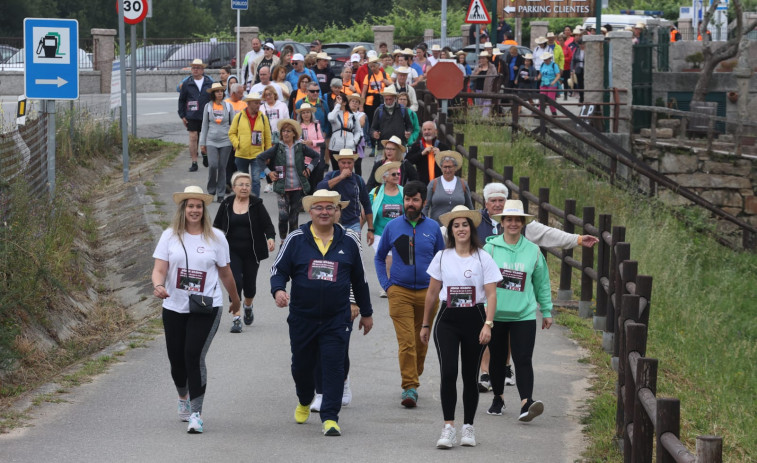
[{"x": 331, "y": 428}]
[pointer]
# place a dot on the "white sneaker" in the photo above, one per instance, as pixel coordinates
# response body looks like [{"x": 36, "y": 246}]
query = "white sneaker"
[
  {"x": 195, "y": 424},
  {"x": 382, "y": 294},
  {"x": 448, "y": 437},
  {"x": 509, "y": 376},
  {"x": 347, "y": 394},
  {"x": 316, "y": 405},
  {"x": 185, "y": 410},
  {"x": 268, "y": 188},
  {"x": 469, "y": 438}
]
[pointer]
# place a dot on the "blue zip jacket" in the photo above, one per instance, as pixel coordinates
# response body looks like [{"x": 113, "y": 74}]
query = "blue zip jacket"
[
  {"x": 314, "y": 295},
  {"x": 412, "y": 248},
  {"x": 351, "y": 189}
]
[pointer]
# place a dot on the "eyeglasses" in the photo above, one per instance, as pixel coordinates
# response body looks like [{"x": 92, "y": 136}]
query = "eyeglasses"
[
  {"x": 329, "y": 209},
  {"x": 313, "y": 91},
  {"x": 395, "y": 174},
  {"x": 243, "y": 185},
  {"x": 448, "y": 167}
]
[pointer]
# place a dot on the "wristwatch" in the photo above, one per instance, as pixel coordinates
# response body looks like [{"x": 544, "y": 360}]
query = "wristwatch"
[{"x": 489, "y": 323}]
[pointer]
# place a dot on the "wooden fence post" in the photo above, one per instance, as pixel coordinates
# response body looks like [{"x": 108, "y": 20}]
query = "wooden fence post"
[
  {"x": 643, "y": 427},
  {"x": 472, "y": 172},
  {"x": 507, "y": 174},
  {"x": 603, "y": 271},
  {"x": 488, "y": 165},
  {"x": 623, "y": 253},
  {"x": 636, "y": 341},
  {"x": 564, "y": 293},
  {"x": 629, "y": 311},
  {"x": 644, "y": 289},
  {"x": 608, "y": 341},
  {"x": 459, "y": 140},
  {"x": 524, "y": 185},
  {"x": 668, "y": 420},
  {"x": 587, "y": 261},
  {"x": 709, "y": 449}
]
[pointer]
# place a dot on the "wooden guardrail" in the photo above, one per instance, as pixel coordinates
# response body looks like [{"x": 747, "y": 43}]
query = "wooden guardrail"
[{"x": 644, "y": 422}]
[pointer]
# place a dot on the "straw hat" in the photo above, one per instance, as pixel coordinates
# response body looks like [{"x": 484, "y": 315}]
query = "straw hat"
[
  {"x": 449, "y": 154},
  {"x": 528, "y": 56},
  {"x": 198, "y": 62},
  {"x": 322, "y": 55},
  {"x": 293, "y": 123},
  {"x": 395, "y": 140},
  {"x": 373, "y": 59},
  {"x": 546, "y": 55},
  {"x": 457, "y": 212},
  {"x": 550, "y": 35},
  {"x": 436, "y": 47},
  {"x": 345, "y": 153},
  {"x": 390, "y": 90},
  {"x": 408, "y": 52},
  {"x": 305, "y": 107},
  {"x": 321, "y": 196},
  {"x": 513, "y": 207},
  {"x": 402, "y": 70},
  {"x": 397, "y": 52},
  {"x": 461, "y": 52},
  {"x": 355, "y": 96},
  {"x": 484, "y": 54},
  {"x": 540, "y": 40},
  {"x": 358, "y": 48},
  {"x": 578, "y": 30},
  {"x": 254, "y": 96},
  {"x": 497, "y": 52},
  {"x": 192, "y": 192},
  {"x": 343, "y": 204},
  {"x": 383, "y": 169},
  {"x": 216, "y": 86},
  {"x": 488, "y": 45},
  {"x": 639, "y": 26},
  {"x": 628, "y": 28}
]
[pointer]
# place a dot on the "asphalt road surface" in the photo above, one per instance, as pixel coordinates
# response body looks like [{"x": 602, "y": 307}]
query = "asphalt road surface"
[{"x": 129, "y": 413}]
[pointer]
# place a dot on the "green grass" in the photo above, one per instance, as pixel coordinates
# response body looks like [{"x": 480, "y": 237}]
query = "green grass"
[{"x": 702, "y": 313}]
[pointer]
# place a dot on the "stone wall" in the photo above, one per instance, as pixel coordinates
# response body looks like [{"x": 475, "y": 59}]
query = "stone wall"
[
  {"x": 729, "y": 182},
  {"x": 664, "y": 82}
]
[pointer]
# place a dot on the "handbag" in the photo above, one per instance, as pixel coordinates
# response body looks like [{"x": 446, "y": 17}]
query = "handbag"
[{"x": 199, "y": 304}]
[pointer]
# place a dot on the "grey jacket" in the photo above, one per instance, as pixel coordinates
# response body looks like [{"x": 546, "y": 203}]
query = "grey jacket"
[{"x": 213, "y": 134}]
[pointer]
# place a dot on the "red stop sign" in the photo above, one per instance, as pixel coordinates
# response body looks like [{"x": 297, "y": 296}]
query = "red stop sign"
[{"x": 445, "y": 80}]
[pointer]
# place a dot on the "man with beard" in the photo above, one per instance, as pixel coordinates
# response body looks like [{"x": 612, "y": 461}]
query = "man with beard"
[
  {"x": 413, "y": 240},
  {"x": 423, "y": 153}
]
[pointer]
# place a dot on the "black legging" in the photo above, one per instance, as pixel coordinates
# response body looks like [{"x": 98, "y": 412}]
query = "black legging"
[
  {"x": 188, "y": 338},
  {"x": 522, "y": 339},
  {"x": 245, "y": 270},
  {"x": 457, "y": 329}
]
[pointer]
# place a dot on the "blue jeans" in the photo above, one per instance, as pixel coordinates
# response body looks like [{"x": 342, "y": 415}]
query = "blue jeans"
[
  {"x": 354, "y": 227},
  {"x": 252, "y": 167}
]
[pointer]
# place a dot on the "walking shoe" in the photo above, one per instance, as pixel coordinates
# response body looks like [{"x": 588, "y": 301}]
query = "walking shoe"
[
  {"x": 531, "y": 410},
  {"x": 509, "y": 376},
  {"x": 205, "y": 160},
  {"x": 484, "y": 384},
  {"x": 448, "y": 437},
  {"x": 301, "y": 413},
  {"x": 331, "y": 428},
  {"x": 409, "y": 397},
  {"x": 316, "y": 405},
  {"x": 268, "y": 188},
  {"x": 347, "y": 394},
  {"x": 185, "y": 410},
  {"x": 497, "y": 405},
  {"x": 220, "y": 199},
  {"x": 469, "y": 437},
  {"x": 236, "y": 325},
  {"x": 193, "y": 167},
  {"x": 195, "y": 424},
  {"x": 382, "y": 293},
  {"x": 248, "y": 315}
]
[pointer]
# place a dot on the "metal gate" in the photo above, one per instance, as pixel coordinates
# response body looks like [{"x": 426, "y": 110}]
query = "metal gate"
[
  {"x": 663, "y": 49},
  {"x": 641, "y": 83}
]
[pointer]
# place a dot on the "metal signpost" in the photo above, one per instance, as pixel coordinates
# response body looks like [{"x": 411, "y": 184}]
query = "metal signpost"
[
  {"x": 239, "y": 5},
  {"x": 51, "y": 71}
]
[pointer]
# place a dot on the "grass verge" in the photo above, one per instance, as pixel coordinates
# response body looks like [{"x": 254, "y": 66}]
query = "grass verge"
[{"x": 701, "y": 317}]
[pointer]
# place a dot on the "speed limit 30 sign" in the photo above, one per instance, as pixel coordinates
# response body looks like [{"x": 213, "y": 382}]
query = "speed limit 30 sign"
[{"x": 134, "y": 11}]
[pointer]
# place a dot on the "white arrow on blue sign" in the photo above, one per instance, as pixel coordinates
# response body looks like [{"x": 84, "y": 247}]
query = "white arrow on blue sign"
[
  {"x": 51, "y": 59},
  {"x": 239, "y": 4}
]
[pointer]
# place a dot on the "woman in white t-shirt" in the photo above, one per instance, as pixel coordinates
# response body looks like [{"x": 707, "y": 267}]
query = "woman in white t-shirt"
[
  {"x": 191, "y": 257},
  {"x": 465, "y": 279}
]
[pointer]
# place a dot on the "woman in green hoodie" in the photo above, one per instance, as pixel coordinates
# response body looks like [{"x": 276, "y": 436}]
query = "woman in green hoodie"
[{"x": 525, "y": 286}]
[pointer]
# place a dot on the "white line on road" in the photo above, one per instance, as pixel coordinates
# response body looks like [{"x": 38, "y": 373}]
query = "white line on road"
[{"x": 153, "y": 114}]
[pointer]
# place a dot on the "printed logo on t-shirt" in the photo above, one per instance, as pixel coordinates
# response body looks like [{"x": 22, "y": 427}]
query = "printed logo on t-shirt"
[
  {"x": 320, "y": 269},
  {"x": 391, "y": 211},
  {"x": 192, "y": 105},
  {"x": 513, "y": 280},
  {"x": 194, "y": 280},
  {"x": 257, "y": 138},
  {"x": 321, "y": 78},
  {"x": 280, "y": 172},
  {"x": 461, "y": 296}
]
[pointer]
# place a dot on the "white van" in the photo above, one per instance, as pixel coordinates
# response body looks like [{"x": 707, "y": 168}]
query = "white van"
[{"x": 618, "y": 21}]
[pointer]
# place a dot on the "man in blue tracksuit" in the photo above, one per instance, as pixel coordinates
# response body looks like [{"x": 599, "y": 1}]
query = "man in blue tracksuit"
[
  {"x": 414, "y": 240},
  {"x": 322, "y": 259}
]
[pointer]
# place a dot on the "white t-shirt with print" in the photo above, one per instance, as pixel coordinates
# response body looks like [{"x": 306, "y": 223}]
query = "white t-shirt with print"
[
  {"x": 464, "y": 275},
  {"x": 203, "y": 258}
]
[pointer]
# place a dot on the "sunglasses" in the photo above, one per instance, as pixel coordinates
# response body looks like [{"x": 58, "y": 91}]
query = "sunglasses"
[
  {"x": 394, "y": 174},
  {"x": 312, "y": 91}
]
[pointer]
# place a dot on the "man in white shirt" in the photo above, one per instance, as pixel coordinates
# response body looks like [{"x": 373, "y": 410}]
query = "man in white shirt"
[
  {"x": 257, "y": 50},
  {"x": 402, "y": 84},
  {"x": 265, "y": 80}
]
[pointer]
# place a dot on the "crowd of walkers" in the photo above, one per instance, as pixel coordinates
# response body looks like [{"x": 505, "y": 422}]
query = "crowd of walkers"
[{"x": 471, "y": 279}]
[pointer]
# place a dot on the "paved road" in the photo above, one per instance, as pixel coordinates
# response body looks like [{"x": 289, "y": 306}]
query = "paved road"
[{"x": 129, "y": 413}]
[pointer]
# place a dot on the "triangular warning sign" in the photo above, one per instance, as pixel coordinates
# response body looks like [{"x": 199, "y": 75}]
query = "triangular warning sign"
[{"x": 477, "y": 13}]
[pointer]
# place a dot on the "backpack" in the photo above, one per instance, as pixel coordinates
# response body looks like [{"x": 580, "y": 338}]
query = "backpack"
[{"x": 380, "y": 111}]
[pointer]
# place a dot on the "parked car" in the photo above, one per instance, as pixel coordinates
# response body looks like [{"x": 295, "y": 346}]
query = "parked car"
[
  {"x": 16, "y": 62},
  {"x": 472, "y": 59},
  {"x": 300, "y": 48},
  {"x": 6, "y": 51},
  {"x": 213, "y": 54},
  {"x": 340, "y": 53},
  {"x": 453, "y": 42},
  {"x": 151, "y": 56}
]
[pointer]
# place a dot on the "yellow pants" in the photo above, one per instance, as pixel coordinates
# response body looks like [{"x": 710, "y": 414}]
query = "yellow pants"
[{"x": 406, "y": 310}]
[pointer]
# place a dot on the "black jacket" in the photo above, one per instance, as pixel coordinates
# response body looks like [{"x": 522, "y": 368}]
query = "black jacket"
[
  {"x": 407, "y": 173},
  {"x": 421, "y": 162},
  {"x": 396, "y": 123},
  {"x": 261, "y": 227},
  {"x": 192, "y": 100}
]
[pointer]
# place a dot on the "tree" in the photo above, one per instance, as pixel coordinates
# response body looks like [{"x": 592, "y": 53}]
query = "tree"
[{"x": 713, "y": 57}]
